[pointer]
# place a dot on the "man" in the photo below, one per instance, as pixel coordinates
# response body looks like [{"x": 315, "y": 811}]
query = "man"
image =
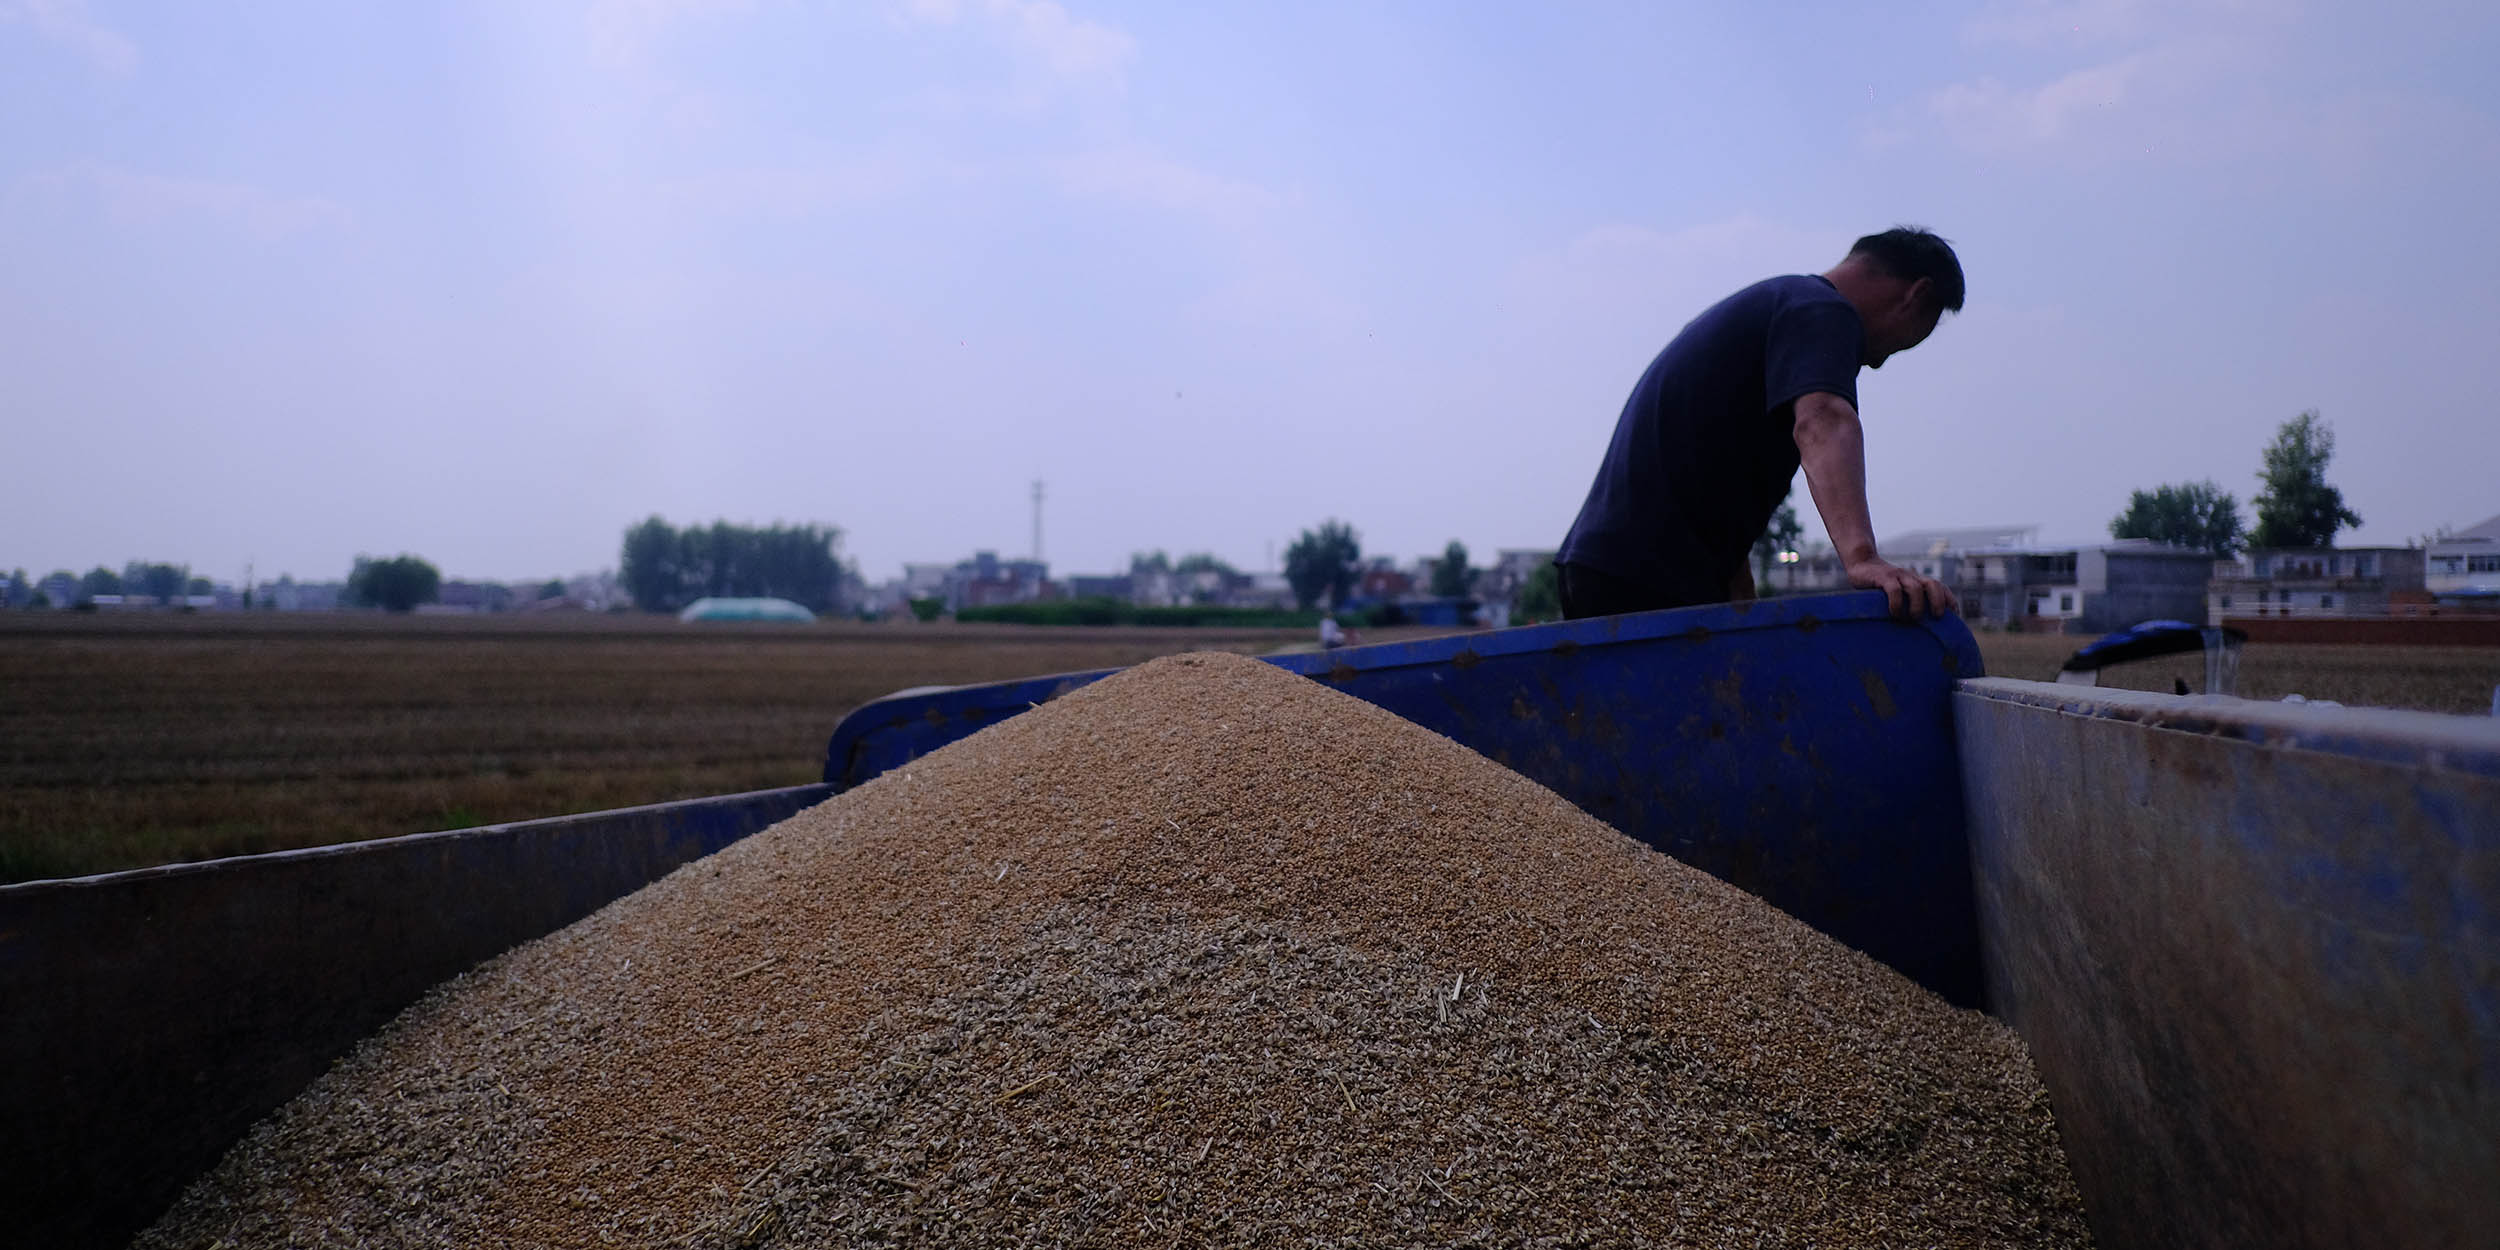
[{"x": 1715, "y": 431}]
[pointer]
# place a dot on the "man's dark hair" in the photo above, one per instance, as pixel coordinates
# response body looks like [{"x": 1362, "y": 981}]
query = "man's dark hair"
[{"x": 1914, "y": 252}]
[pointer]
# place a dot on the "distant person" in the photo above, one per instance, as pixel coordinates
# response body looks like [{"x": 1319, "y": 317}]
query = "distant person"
[
  {"x": 1712, "y": 437},
  {"x": 1332, "y": 635}
]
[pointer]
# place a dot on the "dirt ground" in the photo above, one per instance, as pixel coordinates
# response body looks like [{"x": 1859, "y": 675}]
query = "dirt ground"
[{"x": 130, "y": 741}]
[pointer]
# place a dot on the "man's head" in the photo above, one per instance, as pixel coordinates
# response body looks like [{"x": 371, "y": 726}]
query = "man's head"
[{"x": 1901, "y": 282}]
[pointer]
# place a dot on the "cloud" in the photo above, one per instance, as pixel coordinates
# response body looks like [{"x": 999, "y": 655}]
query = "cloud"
[
  {"x": 1142, "y": 177},
  {"x": 622, "y": 31},
  {"x": 1041, "y": 31},
  {"x": 2036, "y": 22},
  {"x": 67, "y": 22},
  {"x": 128, "y": 197},
  {"x": 1989, "y": 116},
  {"x": 798, "y": 191},
  {"x": 2179, "y": 80},
  {"x": 2041, "y": 23}
]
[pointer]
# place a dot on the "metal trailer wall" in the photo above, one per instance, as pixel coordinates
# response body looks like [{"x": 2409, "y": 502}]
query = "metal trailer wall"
[
  {"x": 148, "y": 1018},
  {"x": 2255, "y": 951}
]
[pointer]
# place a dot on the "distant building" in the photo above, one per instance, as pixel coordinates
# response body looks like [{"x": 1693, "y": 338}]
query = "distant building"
[
  {"x": 2463, "y": 569},
  {"x": 1501, "y": 581},
  {"x": 472, "y": 597},
  {"x": 288, "y": 595},
  {"x": 1260, "y": 590},
  {"x": 1935, "y": 553},
  {"x": 59, "y": 590},
  {"x": 1382, "y": 580},
  {"x": 2095, "y": 588},
  {"x": 2317, "y": 581},
  {"x": 1107, "y": 586},
  {"x": 744, "y": 610},
  {"x": 987, "y": 581}
]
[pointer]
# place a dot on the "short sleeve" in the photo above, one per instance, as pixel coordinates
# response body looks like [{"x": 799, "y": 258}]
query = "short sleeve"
[{"x": 1814, "y": 345}]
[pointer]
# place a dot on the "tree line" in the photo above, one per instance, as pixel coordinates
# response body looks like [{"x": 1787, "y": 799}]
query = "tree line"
[
  {"x": 2296, "y": 507},
  {"x": 665, "y": 568},
  {"x": 1326, "y": 562}
]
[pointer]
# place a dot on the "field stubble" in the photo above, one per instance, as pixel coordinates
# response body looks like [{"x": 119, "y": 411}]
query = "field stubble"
[{"x": 132, "y": 741}]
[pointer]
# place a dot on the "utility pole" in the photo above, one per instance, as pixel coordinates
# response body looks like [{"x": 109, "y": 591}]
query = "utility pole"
[{"x": 1037, "y": 520}]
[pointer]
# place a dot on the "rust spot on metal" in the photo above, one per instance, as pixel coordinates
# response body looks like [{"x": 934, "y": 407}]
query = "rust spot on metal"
[
  {"x": 1341, "y": 672},
  {"x": 1467, "y": 658},
  {"x": 1878, "y": 693},
  {"x": 1698, "y": 633},
  {"x": 933, "y": 715},
  {"x": 1566, "y": 647},
  {"x": 1809, "y": 623}
]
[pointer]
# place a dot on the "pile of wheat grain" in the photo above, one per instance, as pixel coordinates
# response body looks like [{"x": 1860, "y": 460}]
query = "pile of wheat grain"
[{"x": 1203, "y": 954}]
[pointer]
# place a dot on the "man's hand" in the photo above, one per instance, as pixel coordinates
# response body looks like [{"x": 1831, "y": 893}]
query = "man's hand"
[{"x": 1909, "y": 594}]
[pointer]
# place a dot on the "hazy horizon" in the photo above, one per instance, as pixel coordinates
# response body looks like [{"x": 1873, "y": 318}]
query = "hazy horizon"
[{"x": 489, "y": 283}]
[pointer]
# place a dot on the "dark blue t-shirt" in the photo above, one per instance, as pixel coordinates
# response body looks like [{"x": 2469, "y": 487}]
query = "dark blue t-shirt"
[{"x": 1706, "y": 447}]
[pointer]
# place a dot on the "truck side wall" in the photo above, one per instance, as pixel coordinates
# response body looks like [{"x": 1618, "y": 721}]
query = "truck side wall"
[
  {"x": 148, "y": 1018},
  {"x": 2255, "y": 951}
]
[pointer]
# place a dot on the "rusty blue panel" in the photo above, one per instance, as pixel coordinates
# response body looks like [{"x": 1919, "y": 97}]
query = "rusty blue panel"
[
  {"x": 148, "y": 1018},
  {"x": 2255, "y": 952},
  {"x": 1799, "y": 748}
]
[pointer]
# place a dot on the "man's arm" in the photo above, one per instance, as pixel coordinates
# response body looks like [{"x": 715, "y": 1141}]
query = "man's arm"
[
  {"x": 1832, "y": 447},
  {"x": 1740, "y": 587}
]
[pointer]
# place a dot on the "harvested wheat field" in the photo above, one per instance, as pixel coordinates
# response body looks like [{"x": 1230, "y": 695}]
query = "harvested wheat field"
[{"x": 1203, "y": 954}]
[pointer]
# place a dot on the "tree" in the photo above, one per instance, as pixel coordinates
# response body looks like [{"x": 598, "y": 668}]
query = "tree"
[
  {"x": 1540, "y": 599},
  {"x": 2190, "y": 514},
  {"x": 1192, "y": 569},
  {"x": 665, "y": 568},
  {"x": 1780, "y": 535},
  {"x": 1324, "y": 562},
  {"x": 161, "y": 582},
  {"x": 551, "y": 589},
  {"x": 2297, "y": 508},
  {"x": 648, "y": 566},
  {"x": 1451, "y": 579},
  {"x": 98, "y": 581},
  {"x": 398, "y": 584}
]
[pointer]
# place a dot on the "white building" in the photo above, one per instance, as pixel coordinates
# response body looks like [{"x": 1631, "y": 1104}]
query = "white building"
[
  {"x": 2465, "y": 562},
  {"x": 2315, "y": 581}
]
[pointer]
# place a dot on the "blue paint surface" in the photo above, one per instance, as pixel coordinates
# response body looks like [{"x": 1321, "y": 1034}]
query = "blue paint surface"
[
  {"x": 1799, "y": 748},
  {"x": 2255, "y": 952}
]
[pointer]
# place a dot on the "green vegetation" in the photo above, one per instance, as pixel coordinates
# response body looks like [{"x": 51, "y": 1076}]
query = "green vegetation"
[
  {"x": 1780, "y": 535},
  {"x": 665, "y": 568},
  {"x": 2297, "y": 508},
  {"x": 1541, "y": 598},
  {"x": 2188, "y": 514},
  {"x": 398, "y": 584},
  {"x": 1324, "y": 563},
  {"x": 1451, "y": 578}
]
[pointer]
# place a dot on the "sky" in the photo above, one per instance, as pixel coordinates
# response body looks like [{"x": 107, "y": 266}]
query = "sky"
[{"x": 282, "y": 283}]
